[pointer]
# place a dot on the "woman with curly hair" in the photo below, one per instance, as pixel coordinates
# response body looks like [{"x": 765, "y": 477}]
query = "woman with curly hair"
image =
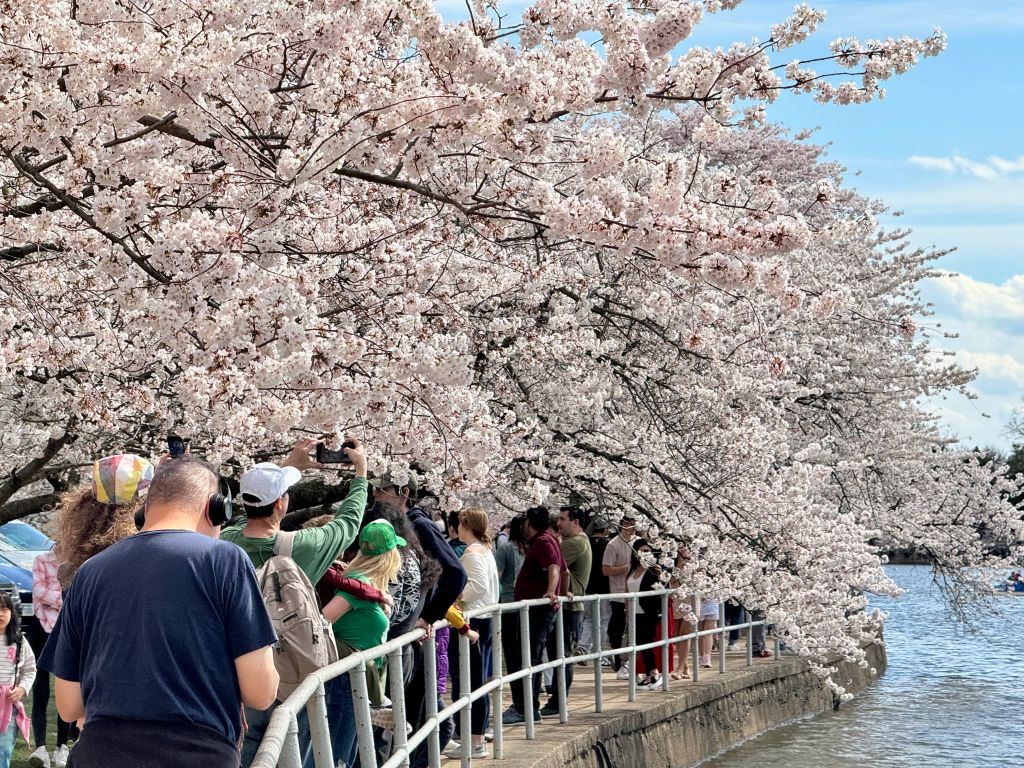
[
  {"x": 90, "y": 518},
  {"x": 94, "y": 516}
]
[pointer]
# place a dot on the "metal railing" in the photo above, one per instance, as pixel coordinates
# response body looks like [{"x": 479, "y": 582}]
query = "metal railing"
[{"x": 280, "y": 745}]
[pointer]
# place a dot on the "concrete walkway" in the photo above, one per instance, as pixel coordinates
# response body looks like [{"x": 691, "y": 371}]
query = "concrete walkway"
[{"x": 551, "y": 736}]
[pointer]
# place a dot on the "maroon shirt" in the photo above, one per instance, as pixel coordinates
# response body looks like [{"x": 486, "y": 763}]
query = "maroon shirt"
[{"x": 542, "y": 553}]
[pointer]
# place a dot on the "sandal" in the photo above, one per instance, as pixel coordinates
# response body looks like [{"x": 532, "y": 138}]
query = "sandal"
[{"x": 679, "y": 675}]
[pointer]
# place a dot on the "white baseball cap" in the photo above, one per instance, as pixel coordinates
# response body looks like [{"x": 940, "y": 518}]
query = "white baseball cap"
[{"x": 265, "y": 483}]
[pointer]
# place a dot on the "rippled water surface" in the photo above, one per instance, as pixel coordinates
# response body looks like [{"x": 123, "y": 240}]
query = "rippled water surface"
[{"x": 948, "y": 699}]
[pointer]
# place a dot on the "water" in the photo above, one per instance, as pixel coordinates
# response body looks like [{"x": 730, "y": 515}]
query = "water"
[{"x": 948, "y": 698}]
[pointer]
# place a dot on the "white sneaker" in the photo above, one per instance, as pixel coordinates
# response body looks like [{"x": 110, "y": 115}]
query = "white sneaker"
[
  {"x": 622, "y": 674},
  {"x": 454, "y": 749},
  {"x": 479, "y": 750},
  {"x": 60, "y": 756},
  {"x": 40, "y": 758},
  {"x": 732, "y": 647}
]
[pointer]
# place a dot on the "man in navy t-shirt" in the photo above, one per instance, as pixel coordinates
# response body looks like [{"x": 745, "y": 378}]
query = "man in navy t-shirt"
[{"x": 163, "y": 636}]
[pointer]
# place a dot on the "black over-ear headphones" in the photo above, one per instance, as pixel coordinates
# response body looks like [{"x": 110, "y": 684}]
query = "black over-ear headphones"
[{"x": 219, "y": 508}]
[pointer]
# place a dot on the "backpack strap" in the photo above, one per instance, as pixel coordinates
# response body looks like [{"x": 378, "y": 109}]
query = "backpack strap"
[{"x": 284, "y": 542}]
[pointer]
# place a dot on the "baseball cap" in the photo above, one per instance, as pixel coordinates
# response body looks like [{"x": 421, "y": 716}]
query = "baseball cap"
[
  {"x": 379, "y": 537},
  {"x": 265, "y": 483},
  {"x": 121, "y": 478},
  {"x": 387, "y": 480}
]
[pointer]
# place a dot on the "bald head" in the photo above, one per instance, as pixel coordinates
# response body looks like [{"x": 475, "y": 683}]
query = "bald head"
[{"x": 184, "y": 484}]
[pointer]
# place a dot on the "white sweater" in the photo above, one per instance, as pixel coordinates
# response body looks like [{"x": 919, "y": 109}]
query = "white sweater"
[{"x": 481, "y": 578}]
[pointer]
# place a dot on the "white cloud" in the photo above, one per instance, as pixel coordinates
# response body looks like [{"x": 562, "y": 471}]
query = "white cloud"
[
  {"x": 980, "y": 300},
  {"x": 992, "y": 169},
  {"x": 993, "y": 366}
]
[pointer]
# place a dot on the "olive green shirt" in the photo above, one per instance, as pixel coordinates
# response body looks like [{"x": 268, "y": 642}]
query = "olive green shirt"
[
  {"x": 578, "y": 559},
  {"x": 314, "y": 549}
]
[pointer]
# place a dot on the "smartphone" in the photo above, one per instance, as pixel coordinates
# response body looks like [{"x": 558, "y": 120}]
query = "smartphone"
[
  {"x": 175, "y": 446},
  {"x": 325, "y": 455}
]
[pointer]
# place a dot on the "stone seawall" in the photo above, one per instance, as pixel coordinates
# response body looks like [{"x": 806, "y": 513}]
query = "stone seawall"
[{"x": 700, "y": 722}]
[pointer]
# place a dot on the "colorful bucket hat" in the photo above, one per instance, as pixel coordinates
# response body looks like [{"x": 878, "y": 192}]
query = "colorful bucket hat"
[
  {"x": 379, "y": 537},
  {"x": 121, "y": 478}
]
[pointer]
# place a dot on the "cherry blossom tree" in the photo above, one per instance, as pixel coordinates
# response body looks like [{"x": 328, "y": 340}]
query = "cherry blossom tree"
[{"x": 515, "y": 262}]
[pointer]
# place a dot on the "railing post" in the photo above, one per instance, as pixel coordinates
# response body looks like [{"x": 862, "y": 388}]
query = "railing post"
[
  {"x": 563, "y": 695},
  {"x": 429, "y": 698},
  {"x": 527, "y": 682},
  {"x": 666, "y": 636},
  {"x": 396, "y": 672},
  {"x": 723, "y": 637},
  {"x": 465, "y": 689},
  {"x": 778, "y": 645},
  {"x": 631, "y": 688},
  {"x": 497, "y": 638},
  {"x": 595, "y": 618},
  {"x": 695, "y": 642},
  {"x": 291, "y": 755},
  {"x": 319, "y": 733},
  {"x": 361, "y": 706}
]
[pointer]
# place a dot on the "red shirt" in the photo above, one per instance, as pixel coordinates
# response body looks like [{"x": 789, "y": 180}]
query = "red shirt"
[{"x": 542, "y": 553}]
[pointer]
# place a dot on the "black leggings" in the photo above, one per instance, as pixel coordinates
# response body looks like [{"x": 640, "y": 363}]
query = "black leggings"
[{"x": 41, "y": 694}]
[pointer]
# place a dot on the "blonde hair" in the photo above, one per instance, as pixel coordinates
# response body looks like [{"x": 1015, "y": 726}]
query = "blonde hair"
[
  {"x": 379, "y": 570},
  {"x": 476, "y": 522}
]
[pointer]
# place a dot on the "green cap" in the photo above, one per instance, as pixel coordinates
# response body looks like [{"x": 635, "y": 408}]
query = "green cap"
[{"x": 379, "y": 537}]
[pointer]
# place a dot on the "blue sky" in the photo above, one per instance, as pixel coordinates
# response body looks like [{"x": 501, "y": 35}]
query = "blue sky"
[{"x": 945, "y": 148}]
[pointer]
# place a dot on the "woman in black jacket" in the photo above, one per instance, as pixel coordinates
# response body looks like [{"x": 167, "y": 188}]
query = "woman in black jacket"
[{"x": 643, "y": 576}]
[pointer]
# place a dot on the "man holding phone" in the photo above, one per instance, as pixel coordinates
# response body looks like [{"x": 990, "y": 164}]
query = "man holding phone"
[{"x": 263, "y": 491}]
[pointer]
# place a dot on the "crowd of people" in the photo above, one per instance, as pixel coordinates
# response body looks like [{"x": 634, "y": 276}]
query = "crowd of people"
[{"x": 175, "y": 618}]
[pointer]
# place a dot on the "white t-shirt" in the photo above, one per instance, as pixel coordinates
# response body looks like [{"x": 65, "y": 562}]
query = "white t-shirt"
[
  {"x": 618, "y": 552},
  {"x": 633, "y": 585}
]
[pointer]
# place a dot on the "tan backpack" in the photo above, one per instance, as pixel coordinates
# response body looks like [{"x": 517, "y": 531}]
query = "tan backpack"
[{"x": 305, "y": 641}]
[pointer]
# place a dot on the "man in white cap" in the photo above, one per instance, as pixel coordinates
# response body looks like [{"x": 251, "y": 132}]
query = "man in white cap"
[{"x": 263, "y": 491}]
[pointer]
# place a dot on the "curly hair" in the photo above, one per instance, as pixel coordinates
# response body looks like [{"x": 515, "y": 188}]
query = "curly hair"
[{"x": 85, "y": 527}]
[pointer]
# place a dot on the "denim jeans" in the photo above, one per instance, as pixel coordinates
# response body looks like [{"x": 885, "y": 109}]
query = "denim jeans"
[
  {"x": 341, "y": 719},
  {"x": 258, "y": 720},
  {"x": 7, "y": 742}
]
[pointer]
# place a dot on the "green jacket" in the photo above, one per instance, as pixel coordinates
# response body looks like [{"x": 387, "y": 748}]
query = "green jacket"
[{"x": 314, "y": 549}]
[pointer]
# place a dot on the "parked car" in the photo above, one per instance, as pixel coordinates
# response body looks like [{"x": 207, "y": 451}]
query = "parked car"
[{"x": 19, "y": 545}]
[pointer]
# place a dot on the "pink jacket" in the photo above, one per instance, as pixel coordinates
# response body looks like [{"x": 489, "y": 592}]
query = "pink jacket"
[
  {"x": 7, "y": 709},
  {"x": 46, "y": 593}
]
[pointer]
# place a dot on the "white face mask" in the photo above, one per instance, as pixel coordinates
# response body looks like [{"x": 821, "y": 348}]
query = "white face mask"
[{"x": 647, "y": 559}]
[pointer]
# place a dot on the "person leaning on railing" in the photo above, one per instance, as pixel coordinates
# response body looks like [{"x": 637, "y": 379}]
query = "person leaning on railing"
[
  {"x": 578, "y": 558},
  {"x": 540, "y": 577}
]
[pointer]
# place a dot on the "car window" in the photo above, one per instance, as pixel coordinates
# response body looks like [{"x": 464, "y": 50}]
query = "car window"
[{"x": 21, "y": 536}]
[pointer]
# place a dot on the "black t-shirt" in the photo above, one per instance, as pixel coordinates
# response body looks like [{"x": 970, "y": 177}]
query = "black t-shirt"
[
  {"x": 151, "y": 628},
  {"x": 598, "y": 584}
]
